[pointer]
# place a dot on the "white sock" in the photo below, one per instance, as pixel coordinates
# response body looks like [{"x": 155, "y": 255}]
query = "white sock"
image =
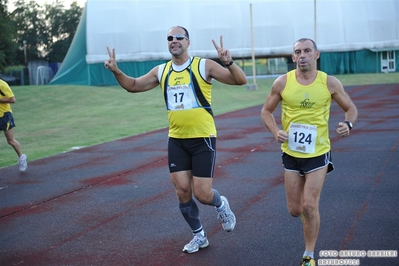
[
  {"x": 202, "y": 233},
  {"x": 309, "y": 253},
  {"x": 221, "y": 207}
]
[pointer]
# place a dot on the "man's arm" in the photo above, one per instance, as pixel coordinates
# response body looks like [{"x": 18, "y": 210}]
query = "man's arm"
[
  {"x": 232, "y": 74},
  {"x": 7, "y": 100},
  {"x": 270, "y": 105},
  {"x": 6, "y": 94},
  {"x": 344, "y": 101},
  {"x": 143, "y": 83}
]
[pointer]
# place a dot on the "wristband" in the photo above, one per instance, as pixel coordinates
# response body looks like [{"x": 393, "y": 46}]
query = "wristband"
[
  {"x": 230, "y": 63},
  {"x": 350, "y": 126}
]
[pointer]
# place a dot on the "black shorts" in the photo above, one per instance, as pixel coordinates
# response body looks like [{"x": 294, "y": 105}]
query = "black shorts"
[
  {"x": 197, "y": 155},
  {"x": 307, "y": 165},
  {"x": 6, "y": 121}
]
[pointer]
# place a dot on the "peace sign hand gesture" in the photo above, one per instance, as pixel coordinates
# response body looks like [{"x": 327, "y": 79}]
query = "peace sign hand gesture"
[
  {"x": 111, "y": 62},
  {"x": 223, "y": 54}
]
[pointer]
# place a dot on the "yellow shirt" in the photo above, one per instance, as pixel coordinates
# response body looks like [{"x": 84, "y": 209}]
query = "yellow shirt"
[
  {"x": 5, "y": 92},
  {"x": 305, "y": 115},
  {"x": 188, "y": 98}
]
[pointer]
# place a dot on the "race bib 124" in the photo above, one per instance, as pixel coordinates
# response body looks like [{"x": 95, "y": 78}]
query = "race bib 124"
[{"x": 302, "y": 138}]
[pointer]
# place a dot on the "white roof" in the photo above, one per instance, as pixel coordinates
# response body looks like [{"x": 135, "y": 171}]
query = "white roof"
[{"x": 138, "y": 29}]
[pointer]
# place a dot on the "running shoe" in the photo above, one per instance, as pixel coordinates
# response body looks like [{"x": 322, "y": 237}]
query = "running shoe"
[
  {"x": 23, "y": 164},
  {"x": 308, "y": 261},
  {"x": 199, "y": 241},
  {"x": 227, "y": 216}
]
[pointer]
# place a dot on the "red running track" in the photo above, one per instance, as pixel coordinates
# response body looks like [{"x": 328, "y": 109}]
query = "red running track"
[{"x": 113, "y": 204}]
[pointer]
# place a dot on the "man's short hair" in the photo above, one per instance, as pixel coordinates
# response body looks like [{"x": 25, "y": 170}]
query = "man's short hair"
[{"x": 307, "y": 39}]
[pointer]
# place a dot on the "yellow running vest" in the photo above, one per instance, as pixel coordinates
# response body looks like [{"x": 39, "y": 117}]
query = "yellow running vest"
[
  {"x": 5, "y": 92},
  {"x": 305, "y": 115},
  {"x": 188, "y": 98}
]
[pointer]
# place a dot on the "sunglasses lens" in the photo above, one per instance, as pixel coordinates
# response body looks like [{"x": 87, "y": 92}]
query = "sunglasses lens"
[{"x": 178, "y": 37}]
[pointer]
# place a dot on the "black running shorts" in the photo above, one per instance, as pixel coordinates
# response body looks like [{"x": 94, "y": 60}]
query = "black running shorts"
[
  {"x": 196, "y": 154},
  {"x": 307, "y": 165},
  {"x": 6, "y": 121}
]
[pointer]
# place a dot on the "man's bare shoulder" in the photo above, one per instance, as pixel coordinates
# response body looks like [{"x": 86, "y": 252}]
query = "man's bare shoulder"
[
  {"x": 279, "y": 83},
  {"x": 333, "y": 84}
]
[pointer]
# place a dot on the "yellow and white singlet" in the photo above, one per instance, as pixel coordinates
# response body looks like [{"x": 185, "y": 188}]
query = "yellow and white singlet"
[{"x": 188, "y": 98}]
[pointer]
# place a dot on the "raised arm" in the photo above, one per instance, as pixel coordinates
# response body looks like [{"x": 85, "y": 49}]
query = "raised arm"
[
  {"x": 143, "y": 83},
  {"x": 232, "y": 74}
]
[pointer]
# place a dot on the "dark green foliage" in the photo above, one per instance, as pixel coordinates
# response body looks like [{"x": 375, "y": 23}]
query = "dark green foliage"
[{"x": 47, "y": 30}]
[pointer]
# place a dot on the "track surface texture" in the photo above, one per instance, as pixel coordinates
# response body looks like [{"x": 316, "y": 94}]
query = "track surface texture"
[{"x": 114, "y": 204}]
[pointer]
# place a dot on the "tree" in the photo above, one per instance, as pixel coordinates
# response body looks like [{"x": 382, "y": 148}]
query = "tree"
[
  {"x": 48, "y": 31},
  {"x": 61, "y": 30},
  {"x": 31, "y": 28},
  {"x": 7, "y": 37}
]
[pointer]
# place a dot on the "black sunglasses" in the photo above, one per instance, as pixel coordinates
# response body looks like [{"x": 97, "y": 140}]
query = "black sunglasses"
[{"x": 178, "y": 37}]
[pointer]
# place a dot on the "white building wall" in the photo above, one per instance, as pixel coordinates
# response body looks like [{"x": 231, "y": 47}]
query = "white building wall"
[{"x": 137, "y": 29}]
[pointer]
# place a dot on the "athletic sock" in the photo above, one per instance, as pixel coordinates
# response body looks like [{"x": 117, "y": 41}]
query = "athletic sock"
[
  {"x": 216, "y": 201},
  {"x": 309, "y": 253},
  {"x": 221, "y": 207},
  {"x": 190, "y": 213},
  {"x": 200, "y": 231}
]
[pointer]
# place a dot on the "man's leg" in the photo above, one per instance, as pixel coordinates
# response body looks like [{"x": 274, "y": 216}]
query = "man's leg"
[
  {"x": 22, "y": 158},
  {"x": 13, "y": 142},
  {"x": 182, "y": 181},
  {"x": 204, "y": 192},
  {"x": 303, "y": 194},
  {"x": 294, "y": 188},
  {"x": 201, "y": 187},
  {"x": 312, "y": 191}
]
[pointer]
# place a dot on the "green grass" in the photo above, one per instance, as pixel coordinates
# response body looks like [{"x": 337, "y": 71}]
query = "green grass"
[{"x": 54, "y": 119}]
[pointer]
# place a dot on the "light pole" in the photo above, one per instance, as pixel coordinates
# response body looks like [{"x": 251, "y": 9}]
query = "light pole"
[
  {"x": 26, "y": 65},
  {"x": 26, "y": 58}
]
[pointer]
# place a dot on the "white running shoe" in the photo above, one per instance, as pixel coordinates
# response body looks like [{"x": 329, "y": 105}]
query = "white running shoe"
[
  {"x": 199, "y": 241},
  {"x": 23, "y": 164},
  {"x": 227, "y": 216}
]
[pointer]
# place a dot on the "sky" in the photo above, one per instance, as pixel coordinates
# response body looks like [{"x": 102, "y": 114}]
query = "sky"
[{"x": 66, "y": 3}]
